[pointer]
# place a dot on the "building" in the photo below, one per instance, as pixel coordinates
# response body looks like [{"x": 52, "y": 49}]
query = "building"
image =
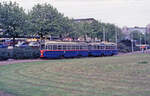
[
  {"x": 128, "y": 30},
  {"x": 148, "y": 28},
  {"x": 86, "y": 20}
]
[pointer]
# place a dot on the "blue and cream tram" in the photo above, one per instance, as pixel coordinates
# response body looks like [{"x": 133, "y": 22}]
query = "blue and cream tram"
[
  {"x": 64, "y": 49},
  {"x": 55, "y": 49}
]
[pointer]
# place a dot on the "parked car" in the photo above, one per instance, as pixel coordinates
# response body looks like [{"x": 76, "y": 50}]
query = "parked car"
[
  {"x": 9, "y": 42},
  {"x": 34, "y": 44},
  {"x": 3, "y": 46},
  {"x": 22, "y": 44}
]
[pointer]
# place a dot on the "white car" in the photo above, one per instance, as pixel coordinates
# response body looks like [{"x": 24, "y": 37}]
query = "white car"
[
  {"x": 22, "y": 44},
  {"x": 34, "y": 44}
]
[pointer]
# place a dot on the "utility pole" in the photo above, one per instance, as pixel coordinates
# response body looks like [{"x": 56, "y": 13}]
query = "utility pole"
[
  {"x": 140, "y": 43},
  {"x": 132, "y": 47},
  {"x": 116, "y": 35},
  {"x": 104, "y": 34},
  {"x": 145, "y": 39}
]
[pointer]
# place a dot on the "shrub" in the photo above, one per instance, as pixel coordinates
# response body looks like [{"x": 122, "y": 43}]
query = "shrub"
[
  {"x": 4, "y": 54},
  {"x": 19, "y": 53},
  {"x": 25, "y": 53}
]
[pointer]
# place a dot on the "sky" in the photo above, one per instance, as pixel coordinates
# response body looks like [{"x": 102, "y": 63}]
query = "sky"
[{"x": 128, "y": 13}]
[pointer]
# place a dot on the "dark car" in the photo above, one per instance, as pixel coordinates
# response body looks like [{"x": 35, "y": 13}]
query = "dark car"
[{"x": 3, "y": 46}]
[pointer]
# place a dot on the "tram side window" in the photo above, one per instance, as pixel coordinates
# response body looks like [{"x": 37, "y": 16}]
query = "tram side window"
[
  {"x": 102, "y": 47},
  {"x": 107, "y": 47},
  {"x": 89, "y": 47},
  {"x": 77, "y": 47},
  {"x": 81, "y": 47},
  {"x": 64, "y": 47},
  {"x": 54, "y": 47},
  {"x": 85, "y": 47},
  {"x": 59, "y": 47},
  {"x": 92, "y": 47},
  {"x": 95, "y": 47},
  {"x": 68, "y": 47},
  {"x": 113, "y": 47},
  {"x": 74, "y": 47},
  {"x": 49, "y": 47}
]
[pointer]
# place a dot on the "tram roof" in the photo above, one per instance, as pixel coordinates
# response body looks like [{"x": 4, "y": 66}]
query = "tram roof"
[
  {"x": 102, "y": 43},
  {"x": 59, "y": 42},
  {"x": 80, "y": 43}
]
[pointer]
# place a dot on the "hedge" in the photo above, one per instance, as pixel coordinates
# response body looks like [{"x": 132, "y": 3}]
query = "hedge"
[
  {"x": 4, "y": 54},
  {"x": 19, "y": 53}
]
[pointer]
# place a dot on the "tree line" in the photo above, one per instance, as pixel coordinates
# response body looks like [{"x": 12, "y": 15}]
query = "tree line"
[{"x": 45, "y": 20}]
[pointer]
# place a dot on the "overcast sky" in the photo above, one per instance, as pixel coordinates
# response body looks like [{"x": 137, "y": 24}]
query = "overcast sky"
[{"x": 120, "y": 12}]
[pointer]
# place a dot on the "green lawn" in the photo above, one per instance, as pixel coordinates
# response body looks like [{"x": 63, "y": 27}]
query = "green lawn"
[{"x": 101, "y": 76}]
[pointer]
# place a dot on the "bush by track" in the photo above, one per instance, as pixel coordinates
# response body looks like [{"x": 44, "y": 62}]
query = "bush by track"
[{"x": 19, "y": 53}]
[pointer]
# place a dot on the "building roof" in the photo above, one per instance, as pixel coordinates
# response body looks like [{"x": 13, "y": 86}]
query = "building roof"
[{"x": 85, "y": 19}]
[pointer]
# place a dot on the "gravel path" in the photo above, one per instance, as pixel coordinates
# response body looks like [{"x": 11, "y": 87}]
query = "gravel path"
[{"x": 11, "y": 61}]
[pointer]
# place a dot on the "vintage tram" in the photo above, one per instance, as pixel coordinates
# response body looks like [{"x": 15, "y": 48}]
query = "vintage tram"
[{"x": 57, "y": 49}]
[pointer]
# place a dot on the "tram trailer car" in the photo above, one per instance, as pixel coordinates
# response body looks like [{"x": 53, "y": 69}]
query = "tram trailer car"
[
  {"x": 77, "y": 49},
  {"x": 101, "y": 49}
]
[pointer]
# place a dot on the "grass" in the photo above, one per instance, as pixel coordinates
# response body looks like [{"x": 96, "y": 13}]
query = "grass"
[{"x": 102, "y": 76}]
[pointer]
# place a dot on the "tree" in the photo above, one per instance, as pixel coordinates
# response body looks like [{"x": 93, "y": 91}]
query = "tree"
[
  {"x": 46, "y": 20},
  {"x": 12, "y": 19},
  {"x": 83, "y": 29},
  {"x": 97, "y": 30},
  {"x": 138, "y": 37}
]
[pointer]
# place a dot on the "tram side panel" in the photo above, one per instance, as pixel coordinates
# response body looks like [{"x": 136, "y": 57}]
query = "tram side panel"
[
  {"x": 96, "y": 50},
  {"x": 53, "y": 54},
  {"x": 83, "y": 51}
]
